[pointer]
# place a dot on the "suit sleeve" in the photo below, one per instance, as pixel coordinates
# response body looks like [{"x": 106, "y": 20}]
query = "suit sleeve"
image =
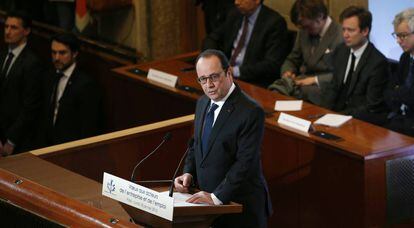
[
  {"x": 397, "y": 93},
  {"x": 215, "y": 39},
  {"x": 248, "y": 144},
  {"x": 274, "y": 53},
  {"x": 91, "y": 110},
  {"x": 295, "y": 57},
  {"x": 330, "y": 88},
  {"x": 31, "y": 103}
]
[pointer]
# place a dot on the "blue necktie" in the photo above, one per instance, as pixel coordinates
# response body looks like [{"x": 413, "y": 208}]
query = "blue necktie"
[
  {"x": 208, "y": 125},
  {"x": 409, "y": 80}
]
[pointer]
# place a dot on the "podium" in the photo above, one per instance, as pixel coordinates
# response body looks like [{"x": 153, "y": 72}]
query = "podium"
[{"x": 183, "y": 216}]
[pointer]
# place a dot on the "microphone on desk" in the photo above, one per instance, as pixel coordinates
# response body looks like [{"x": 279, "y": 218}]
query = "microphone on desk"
[
  {"x": 190, "y": 144},
  {"x": 165, "y": 139}
]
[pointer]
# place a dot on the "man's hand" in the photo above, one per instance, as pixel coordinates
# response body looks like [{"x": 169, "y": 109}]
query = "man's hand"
[
  {"x": 306, "y": 81},
  {"x": 289, "y": 74},
  {"x": 183, "y": 182},
  {"x": 201, "y": 197},
  {"x": 6, "y": 149}
]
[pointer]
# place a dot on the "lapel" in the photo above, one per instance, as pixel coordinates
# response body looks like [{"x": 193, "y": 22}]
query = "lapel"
[
  {"x": 326, "y": 40},
  {"x": 204, "y": 104},
  {"x": 69, "y": 85},
  {"x": 256, "y": 32},
  {"x": 362, "y": 62},
  {"x": 405, "y": 64},
  {"x": 342, "y": 67},
  {"x": 234, "y": 32},
  {"x": 17, "y": 63},
  {"x": 222, "y": 118}
]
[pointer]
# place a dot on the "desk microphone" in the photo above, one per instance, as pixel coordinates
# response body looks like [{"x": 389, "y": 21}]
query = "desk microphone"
[
  {"x": 165, "y": 139},
  {"x": 190, "y": 144}
]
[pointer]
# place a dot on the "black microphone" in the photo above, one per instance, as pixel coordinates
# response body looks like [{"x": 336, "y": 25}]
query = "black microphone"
[
  {"x": 165, "y": 139},
  {"x": 190, "y": 144}
]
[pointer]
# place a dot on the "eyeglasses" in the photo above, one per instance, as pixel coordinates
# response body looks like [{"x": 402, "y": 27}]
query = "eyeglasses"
[
  {"x": 214, "y": 77},
  {"x": 401, "y": 36}
]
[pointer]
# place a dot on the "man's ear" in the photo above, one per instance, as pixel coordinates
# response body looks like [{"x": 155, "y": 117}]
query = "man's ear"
[
  {"x": 365, "y": 32},
  {"x": 229, "y": 72}
]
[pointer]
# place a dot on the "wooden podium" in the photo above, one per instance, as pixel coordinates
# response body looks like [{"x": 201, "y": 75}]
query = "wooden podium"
[{"x": 184, "y": 216}]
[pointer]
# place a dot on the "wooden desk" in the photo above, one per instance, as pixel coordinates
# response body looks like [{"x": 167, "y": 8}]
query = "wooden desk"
[
  {"x": 56, "y": 192},
  {"x": 313, "y": 182}
]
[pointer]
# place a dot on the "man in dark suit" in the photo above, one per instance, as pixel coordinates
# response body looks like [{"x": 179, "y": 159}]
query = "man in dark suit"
[
  {"x": 400, "y": 92},
  {"x": 224, "y": 160},
  {"x": 254, "y": 38},
  {"x": 20, "y": 73},
  {"x": 360, "y": 70},
  {"x": 308, "y": 64},
  {"x": 72, "y": 99}
]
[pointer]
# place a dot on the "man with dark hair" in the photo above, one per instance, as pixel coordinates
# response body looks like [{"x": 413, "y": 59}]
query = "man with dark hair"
[
  {"x": 254, "y": 38},
  {"x": 20, "y": 71},
  {"x": 224, "y": 160},
  {"x": 360, "y": 70},
  {"x": 72, "y": 100},
  {"x": 308, "y": 65}
]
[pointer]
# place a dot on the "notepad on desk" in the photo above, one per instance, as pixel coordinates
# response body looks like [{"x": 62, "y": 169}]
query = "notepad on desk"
[
  {"x": 332, "y": 120},
  {"x": 295, "y": 105}
]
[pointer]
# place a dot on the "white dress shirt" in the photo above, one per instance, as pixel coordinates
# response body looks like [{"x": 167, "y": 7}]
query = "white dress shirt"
[
  {"x": 358, "y": 53},
  {"x": 62, "y": 86}
]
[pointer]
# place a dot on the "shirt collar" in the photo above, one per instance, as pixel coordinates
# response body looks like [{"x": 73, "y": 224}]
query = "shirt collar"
[
  {"x": 326, "y": 26},
  {"x": 17, "y": 50},
  {"x": 252, "y": 17},
  {"x": 221, "y": 102},
  {"x": 360, "y": 50},
  {"x": 68, "y": 72}
]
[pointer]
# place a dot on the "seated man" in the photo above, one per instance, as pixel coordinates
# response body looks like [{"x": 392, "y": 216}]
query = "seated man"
[
  {"x": 360, "y": 70},
  {"x": 308, "y": 64},
  {"x": 400, "y": 92},
  {"x": 254, "y": 37}
]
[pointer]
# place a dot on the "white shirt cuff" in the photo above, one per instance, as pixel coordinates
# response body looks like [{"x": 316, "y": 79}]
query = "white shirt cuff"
[
  {"x": 216, "y": 201},
  {"x": 316, "y": 80}
]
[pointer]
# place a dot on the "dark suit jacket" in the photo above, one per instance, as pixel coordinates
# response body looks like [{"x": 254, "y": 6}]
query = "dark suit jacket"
[
  {"x": 231, "y": 167},
  {"x": 365, "y": 93},
  {"x": 80, "y": 110},
  {"x": 397, "y": 93},
  {"x": 265, "y": 51},
  {"x": 20, "y": 99}
]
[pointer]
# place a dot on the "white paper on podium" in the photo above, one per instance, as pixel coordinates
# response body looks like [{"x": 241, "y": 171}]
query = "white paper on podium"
[
  {"x": 332, "y": 120},
  {"x": 180, "y": 198},
  {"x": 295, "y": 105}
]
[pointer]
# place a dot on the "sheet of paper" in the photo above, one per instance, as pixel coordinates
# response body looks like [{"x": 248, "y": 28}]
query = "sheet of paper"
[
  {"x": 180, "y": 198},
  {"x": 332, "y": 120},
  {"x": 295, "y": 105}
]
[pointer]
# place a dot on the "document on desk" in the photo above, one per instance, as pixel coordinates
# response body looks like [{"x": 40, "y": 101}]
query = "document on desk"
[
  {"x": 180, "y": 198},
  {"x": 295, "y": 105},
  {"x": 332, "y": 120}
]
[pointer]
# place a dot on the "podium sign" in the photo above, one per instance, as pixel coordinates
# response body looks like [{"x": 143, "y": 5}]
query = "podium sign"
[{"x": 138, "y": 196}]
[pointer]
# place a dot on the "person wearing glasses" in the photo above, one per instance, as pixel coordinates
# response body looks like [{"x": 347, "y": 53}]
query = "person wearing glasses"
[
  {"x": 400, "y": 92},
  {"x": 360, "y": 70},
  {"x": 224, "y": 160}
]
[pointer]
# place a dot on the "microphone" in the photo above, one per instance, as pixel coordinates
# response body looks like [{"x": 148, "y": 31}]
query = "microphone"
[
  {"x": 190, "y": 144},
  {"x": 167, "y": 137}
]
